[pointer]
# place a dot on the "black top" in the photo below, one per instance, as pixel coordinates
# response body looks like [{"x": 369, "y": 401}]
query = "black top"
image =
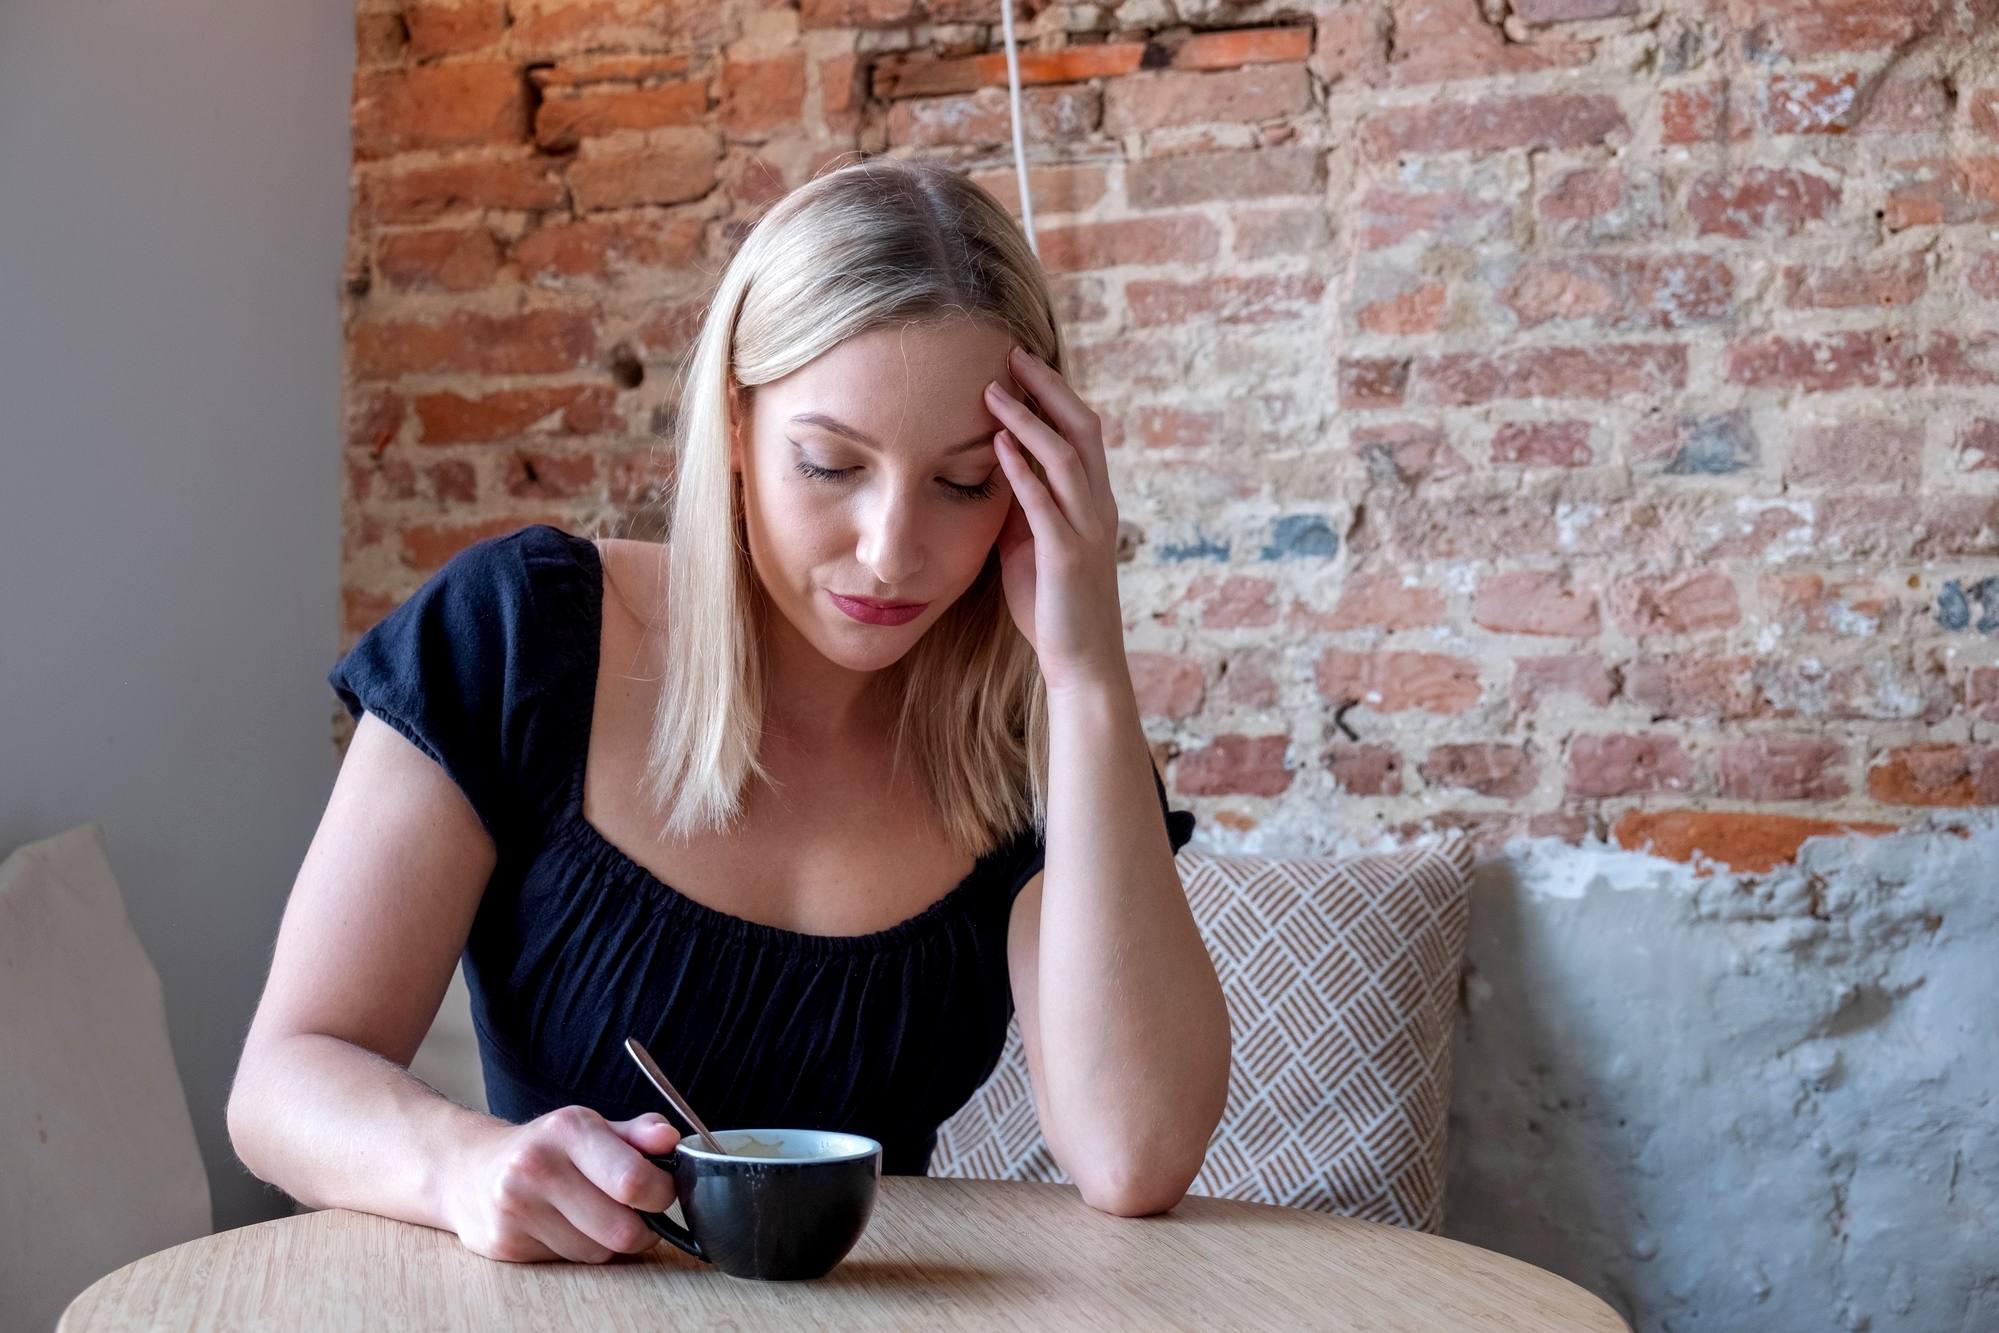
[{"x": 491, "y": 670}]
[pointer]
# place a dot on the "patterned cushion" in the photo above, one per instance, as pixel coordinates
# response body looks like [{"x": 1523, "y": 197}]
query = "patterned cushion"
[{"x": 1342, "y": 980}]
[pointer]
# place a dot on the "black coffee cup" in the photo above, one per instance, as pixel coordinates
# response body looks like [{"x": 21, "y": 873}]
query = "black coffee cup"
[{"x": 783, "y": 1204}]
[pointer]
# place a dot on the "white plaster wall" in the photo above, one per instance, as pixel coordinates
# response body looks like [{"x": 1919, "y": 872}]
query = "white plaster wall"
[{"x": 1757, "y": 1103}]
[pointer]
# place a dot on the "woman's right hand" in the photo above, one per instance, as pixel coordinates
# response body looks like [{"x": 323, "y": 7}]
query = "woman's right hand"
[{"x": 565, "y": 1186}]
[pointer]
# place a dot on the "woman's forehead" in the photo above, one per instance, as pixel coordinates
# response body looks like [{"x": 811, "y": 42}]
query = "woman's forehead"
[{"x": 886, "y": 384}]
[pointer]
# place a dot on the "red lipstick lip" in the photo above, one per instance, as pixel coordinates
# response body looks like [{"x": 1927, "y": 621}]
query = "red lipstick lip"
[{"x": 874, "y": 611}]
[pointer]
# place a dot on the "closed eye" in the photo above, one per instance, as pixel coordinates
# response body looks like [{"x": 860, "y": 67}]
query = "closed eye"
[{"x": 983, "y": 491}]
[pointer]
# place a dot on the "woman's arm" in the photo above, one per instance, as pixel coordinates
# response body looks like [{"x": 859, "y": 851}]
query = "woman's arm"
[
  {"x": 1127, "y": 1034},
  {"x": 324, "y": 1105}
]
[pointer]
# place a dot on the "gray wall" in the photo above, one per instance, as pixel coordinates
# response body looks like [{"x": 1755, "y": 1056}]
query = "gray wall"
[{"x": 172, "y": 209}]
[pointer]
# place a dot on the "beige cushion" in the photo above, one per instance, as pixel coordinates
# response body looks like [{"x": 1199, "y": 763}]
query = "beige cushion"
[
  {"x": 1342, "y": 981},
  {"x": 98, "y": 1164}
]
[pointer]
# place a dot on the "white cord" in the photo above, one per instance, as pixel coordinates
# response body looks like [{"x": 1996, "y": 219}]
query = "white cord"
[{"x": 1019, "y": 143}]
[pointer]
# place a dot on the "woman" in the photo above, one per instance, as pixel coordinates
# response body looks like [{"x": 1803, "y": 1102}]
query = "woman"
[{"x": 881, "y": 656}]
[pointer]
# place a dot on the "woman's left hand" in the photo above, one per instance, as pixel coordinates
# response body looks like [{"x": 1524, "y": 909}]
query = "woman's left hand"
[{"x": 1058, "y": 550}]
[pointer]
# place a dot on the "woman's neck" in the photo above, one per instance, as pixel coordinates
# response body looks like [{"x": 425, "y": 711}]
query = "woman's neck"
[{"x": 809, "y": 698}]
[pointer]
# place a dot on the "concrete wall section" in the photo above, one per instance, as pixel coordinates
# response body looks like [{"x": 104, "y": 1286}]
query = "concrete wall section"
[
  {"x": 170, "y": 239},
  {"x": 1740, "y": 1102}
]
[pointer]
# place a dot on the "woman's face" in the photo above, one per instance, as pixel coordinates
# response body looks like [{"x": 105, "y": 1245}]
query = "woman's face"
[{"x": 871, "y": 488}]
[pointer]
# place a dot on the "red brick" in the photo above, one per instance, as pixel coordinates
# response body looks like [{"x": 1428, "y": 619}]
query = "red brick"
[
  {"x": 1168, "y": 182},
  {"x": 1981, "y": 275},
  {"x": 1856, "y": 453},
  {"x": 553, "y": 27},
  {"x": 1156, "y": 101},
  {"x": 453, "y": 480},
  {"x": 1937, "y": 773},
  {"x": 1244, "y": 46},
  {"x": 561, "y": 122},
  {"x": 1175, "y": 428},
  {"x": 1782, "y": 769},
  {"x": 381, "y": 478},
  {"x": 427, "y": 546},
  {"x": 980, "y": 119},
  {"x": 1254, "y": 300},
  {"x": 1486, "y": 768},
  {"x": 379, "y": 39},
  {"x": 374, "y": 420},
  {"x": 856, "y": 13},
  {"x": 1811, "y": 103},
  {"x": 1572, "y": 11},
  {"x": 1385, "y": 601},
  {"x": 760, "y": 95},
  {"x": 1760, "y": 201},
  {"x": 1167, "y": 686},
  {"x": 1351, "y": 44},
  {"x": 1418, "y": 530},
  {"x": 1605, "y": 766},
  {"x": 1368, "y": 383},
  {"x": 1365, "y": 769},
  {"x": 1981, "y": 693},
  {"x": 1896, "y": 280},
  {"x": 1439, "y": 40},
  {"x": 598, "y": 249},
  {"x": 442, "y": 260},
  {"x": 672, "y": 167},
  {"x": 1390, "y": 217},
  {"x": 1536, "y": 602},
  {"x": 1748, "y": 844},
  {"x": 1248, "y": 679},
  {"x": 1708, "y": 113},
  {"x": 1144, "y": 241},
  {"x": 1803, "y": 28},
  {"x": 1542, "y": 444},
  {"x": 1905, "y": 106},
  {"x": 1689, "y": 687},
  {"x": 1875, "y": 358},
  {"x": 922, "y": 75},
  {"x": 1605, "y": 371},
  {"x": 1905, "y": 527},
  {"x": 670, "y": 330},
  {"x": 640, "y": 478},
  {"x": 1681, "y": 604},
  {"x": 1580, "y": 674},
  {"x": 569, "y": 409},
  {"x": 525, "y": 185},
  {"x": 431, "y": 107},
  {"x": 1964, "y": 359},
  {"x": 1929, "y": 192},
  {"x": 1234, "y": 765},
  {"x": 1390, "y": 682},
  {"x": 1234, "y": 603},
  {"x": 608, "y": 73},
  {"x": 1588, "y": 192},
  {"x": 1064, "y": 188},
  {"x": 1804, "y": 604},
  {"x": 1407, "y": 451},
  {"x": 537, "y": 342},
  {"x": 359, "y": 610},
  {"x": 449, "y": 30},
  {"x": 550, "y": 476},
  {"x": 1547, "y": 120},
  {"x": 1978, "y": 445},
  {"x": 1417, "y": 310},
  {"x": 1621, "y": 292}
]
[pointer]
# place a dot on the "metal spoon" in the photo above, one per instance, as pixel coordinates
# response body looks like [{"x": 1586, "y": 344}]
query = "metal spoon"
[{"x": 672, "y": 1094}]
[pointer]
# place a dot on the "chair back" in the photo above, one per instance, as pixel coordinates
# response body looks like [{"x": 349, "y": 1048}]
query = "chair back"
[{"x": 98, "y": 1163}]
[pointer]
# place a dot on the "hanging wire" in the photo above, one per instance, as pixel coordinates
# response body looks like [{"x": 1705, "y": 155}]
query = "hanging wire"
[{"x": 1019, "y": 142}]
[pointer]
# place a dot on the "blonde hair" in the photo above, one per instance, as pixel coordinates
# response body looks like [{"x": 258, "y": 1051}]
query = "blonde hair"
[{"x": 879, "y": 244}]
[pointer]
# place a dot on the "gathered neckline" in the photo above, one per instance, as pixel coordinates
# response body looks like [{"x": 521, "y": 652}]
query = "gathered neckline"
[{"x": 580, "y": 828}]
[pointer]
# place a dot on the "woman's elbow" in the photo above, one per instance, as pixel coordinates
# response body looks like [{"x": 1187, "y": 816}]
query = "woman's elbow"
[{"x": 1135, "y": 1187}]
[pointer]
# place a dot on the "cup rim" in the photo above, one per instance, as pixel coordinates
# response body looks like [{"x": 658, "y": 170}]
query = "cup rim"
[{"x": 864, "y": 1147}]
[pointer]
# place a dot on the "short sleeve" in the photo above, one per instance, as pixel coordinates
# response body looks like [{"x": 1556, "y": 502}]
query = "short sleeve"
[
  {"x": 472, "y": 670},
  {"x": 1032, "y": 850}
]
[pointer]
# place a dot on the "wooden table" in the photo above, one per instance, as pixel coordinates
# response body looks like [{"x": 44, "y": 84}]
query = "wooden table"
[{"x": 939, "y": 1254}]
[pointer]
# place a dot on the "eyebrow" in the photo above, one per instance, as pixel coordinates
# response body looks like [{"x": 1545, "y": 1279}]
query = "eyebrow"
[{"x": 835, "y": 426}]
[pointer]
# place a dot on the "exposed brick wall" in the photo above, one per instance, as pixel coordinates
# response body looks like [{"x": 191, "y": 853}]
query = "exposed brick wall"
[{"x": 1533, "y": 415}]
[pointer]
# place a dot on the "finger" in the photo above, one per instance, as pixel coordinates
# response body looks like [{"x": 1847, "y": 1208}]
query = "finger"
[
  {"x": 1044, "y": 517},
  {"x": 1070, "y": 414},
  {"x": 1068, "y": 478},
  {"x": 652, "y": 1133},
  {"x": 614, "y": 1166},
  {"x": 606, "y": 1225}
]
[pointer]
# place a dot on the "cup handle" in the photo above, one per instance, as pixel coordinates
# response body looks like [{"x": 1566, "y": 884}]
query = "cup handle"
[{"x": 665, "y": 1227}]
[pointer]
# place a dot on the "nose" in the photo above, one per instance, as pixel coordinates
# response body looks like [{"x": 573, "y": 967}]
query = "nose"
[{"x": 891, "y": 543}]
